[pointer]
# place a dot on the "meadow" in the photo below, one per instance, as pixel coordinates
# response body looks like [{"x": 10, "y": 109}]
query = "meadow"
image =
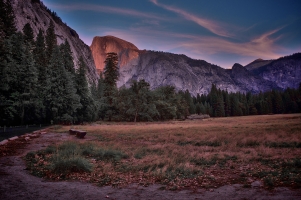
[{"x": 178, "y": 154}]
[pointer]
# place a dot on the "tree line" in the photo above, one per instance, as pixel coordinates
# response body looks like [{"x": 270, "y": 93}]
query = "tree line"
[{"x": 220, "y": 103}]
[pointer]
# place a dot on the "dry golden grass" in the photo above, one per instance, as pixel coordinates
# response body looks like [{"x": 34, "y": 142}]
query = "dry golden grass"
[{"x": 206, "y": 153}]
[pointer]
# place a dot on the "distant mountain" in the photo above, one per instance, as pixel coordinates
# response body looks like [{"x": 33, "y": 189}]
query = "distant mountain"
[
  {"x": 39, "y": 17},
  {"x": 284, "y": 72},
  {"x": 197, "y": 76},
  {"x": 257, "y": 64},
  {"x": 102, "y": 45}
]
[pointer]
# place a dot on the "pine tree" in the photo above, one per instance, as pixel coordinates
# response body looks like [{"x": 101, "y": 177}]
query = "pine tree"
[
  {"x": 28, "y": 83},
  {"x": 235, "y": 108},
  {"x": 7, "y": 19},
  {"x": 62, "y": 98},
  {"x": 50, "y": 40},
  {"x": 67, "y": 57},
  {"x": 100, "y": 86},
  {"x": 28, "y": 34},
  {"x": 87, "y": 110},
  {"x": 44, "y": 73},
  {"x": 219, "y": 109},
  {"x": 277, "y": 102},
  {"x": 198, "y": 108},
  {"x": 111, "y": 73},
  {"x": 7, "y": 30},
  {"x": 227, "y": 105}
]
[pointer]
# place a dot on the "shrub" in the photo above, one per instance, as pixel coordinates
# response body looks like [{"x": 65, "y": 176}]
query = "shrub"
[{"x": 62, "y": 165}]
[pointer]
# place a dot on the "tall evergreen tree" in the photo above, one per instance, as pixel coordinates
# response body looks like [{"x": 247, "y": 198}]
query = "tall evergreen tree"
[
  {"x": 67, "y": 57},
  {"x": 111, "y": 73},
  {"x": 7, "y": 30},
  {"x": 62, "y": 98},
  {"x": 7, "y": 19},
  {"x": 87, "y": 110},
  {"x": 50, "y": 41},
  {"x": 44, "y": 75},
  {"x": 28, "y": 34}
]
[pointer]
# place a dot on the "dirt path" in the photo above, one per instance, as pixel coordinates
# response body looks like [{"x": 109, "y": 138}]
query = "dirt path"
[{"x": 16, "y": 183}]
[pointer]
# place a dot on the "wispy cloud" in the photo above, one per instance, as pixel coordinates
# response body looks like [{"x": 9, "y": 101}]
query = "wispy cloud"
[
  {"x": 215, "y": 27},
  {"x": 261, "y": 46},
  {"x": 106, "y": 9}
]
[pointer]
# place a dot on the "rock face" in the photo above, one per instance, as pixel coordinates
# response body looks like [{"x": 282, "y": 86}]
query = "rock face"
[
  {"x": 248, "y": 81},
  {"x": 283, "y": 72},
  {"x": 185, "y": 73},
  {"x": 257, "y": 64},
  {"x": 101, "y": 45},
  {"x": 196, "y": 76},
  {"x": 37, "y": 15}
]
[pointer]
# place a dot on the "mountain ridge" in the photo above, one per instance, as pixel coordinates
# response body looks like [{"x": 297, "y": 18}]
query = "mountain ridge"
[{"x": 196, "y": 76}]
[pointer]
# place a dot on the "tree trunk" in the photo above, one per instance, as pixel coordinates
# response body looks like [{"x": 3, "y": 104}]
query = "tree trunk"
[{"x": 136, "y": 116}]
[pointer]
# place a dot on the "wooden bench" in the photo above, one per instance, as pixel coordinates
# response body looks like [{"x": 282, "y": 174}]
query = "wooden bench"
[
  {"x": 78, "y": 133},
  {"x": 72, "y": 132}
]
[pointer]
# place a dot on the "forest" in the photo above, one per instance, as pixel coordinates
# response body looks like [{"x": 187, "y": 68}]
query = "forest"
[{"x": 40, "y": 85}]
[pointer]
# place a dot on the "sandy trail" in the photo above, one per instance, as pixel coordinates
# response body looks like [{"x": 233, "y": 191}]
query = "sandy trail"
[{"x": 16, "y": 183}]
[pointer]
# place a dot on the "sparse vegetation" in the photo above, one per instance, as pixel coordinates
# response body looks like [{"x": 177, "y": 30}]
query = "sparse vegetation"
[{"x": 180, "y": 154}]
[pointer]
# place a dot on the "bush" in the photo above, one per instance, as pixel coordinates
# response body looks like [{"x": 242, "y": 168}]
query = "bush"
[{"x": 62, "y": 165}]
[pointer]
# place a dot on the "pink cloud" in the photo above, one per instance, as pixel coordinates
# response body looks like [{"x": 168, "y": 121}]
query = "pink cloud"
[
  {"x": 106, "y": 9},
  {"x": 211, "y": 25},
  {"x": 261, "y": 46}
]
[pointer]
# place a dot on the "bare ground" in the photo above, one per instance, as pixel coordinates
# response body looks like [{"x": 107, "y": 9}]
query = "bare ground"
[{"x": 16, "y": 182}]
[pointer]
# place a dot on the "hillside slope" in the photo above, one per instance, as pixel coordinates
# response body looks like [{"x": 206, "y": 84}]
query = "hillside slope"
[{"x": 39, "y": 17}]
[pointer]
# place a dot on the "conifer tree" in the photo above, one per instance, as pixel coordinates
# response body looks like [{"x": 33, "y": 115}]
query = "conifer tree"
[
  {"x": 87, "y": 110},
  {"x": 67, "y": 57},
  {"x": 111, "y": 73},
  {"x": 50, "y": 41},
  {"x": 28, "y": 34},
  {"x": 44, "y": 73},
  {"x": 7, "y": 19}
]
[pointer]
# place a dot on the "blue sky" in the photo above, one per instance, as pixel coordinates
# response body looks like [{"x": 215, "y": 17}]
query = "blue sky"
[{"x": 222, "y": 32}]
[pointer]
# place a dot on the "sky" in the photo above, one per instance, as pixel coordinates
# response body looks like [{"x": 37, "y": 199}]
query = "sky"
[{"x": 222, "y": 32}]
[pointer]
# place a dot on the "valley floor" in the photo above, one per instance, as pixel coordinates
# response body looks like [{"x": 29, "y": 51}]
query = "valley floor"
[{"x": 17, "y": 183}]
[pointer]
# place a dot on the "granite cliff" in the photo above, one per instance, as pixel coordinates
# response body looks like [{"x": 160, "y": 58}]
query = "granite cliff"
[
  {"x": 283, "y": 72},
  {"x": 102, "y": 45},
  {"x": 39, "y": 17}
]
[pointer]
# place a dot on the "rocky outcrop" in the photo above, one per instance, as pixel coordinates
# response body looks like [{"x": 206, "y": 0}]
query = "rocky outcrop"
[
  {"x": 283, "y": 72},
  {"x": 37, "y": 15},
  {"x": 257, "y": 64},
  {"x": 101, "y": 45},
  {"x": 248, "y": 81}
]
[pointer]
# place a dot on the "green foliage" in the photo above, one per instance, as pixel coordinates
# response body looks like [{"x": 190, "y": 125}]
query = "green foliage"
[
  {"x": 62, "y": 165},
  {"x": 28, "y": 34},
  {"x": 85, "y": 112},
  {"x": 50, "y": 40},
  {"x": 71, "y": 157},
  {"x": 7, "y": 19}
]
